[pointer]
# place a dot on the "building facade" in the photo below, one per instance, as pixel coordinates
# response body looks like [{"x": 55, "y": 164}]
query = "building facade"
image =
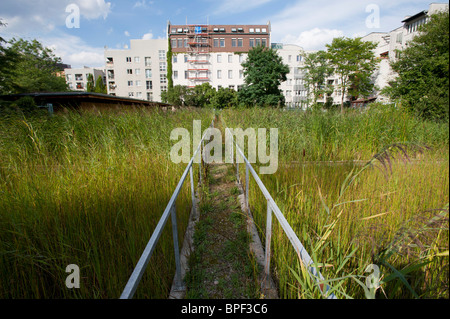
[
  {"x": 138, "y": 72},
  {"x": 213, "y": 53},
  {"x": 77, "y": 79}
]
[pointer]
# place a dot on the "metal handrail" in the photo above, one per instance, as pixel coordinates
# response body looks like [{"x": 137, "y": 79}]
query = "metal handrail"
[
  {"x": 273, "y": 207},
  {"x": 141, "y": 265}
]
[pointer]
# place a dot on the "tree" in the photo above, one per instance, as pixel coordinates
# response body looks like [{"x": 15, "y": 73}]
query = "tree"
[
  {"x": 100, "y": 87},
  {"x": 7, "y": 60},
  {"x": 200, "y": 95},
  {"x": 264, "y": 71},
  {"x": 225, "y": 97},
  {"x": 90, "y": 86},
  {"x": 352, "y": 60},
  {"x": 175, "y": 95},
  {"x": 33, "y": 69},
  {"x": 317, "y": 69},
  {"x": 422, "y": 84}
]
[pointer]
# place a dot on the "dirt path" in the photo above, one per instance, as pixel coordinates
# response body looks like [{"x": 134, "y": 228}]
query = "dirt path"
[{"x": 221, "y": 265}]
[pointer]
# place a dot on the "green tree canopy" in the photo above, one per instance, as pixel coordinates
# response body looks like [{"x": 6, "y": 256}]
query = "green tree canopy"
[
  {"x": 264, "y": 71},
  {"x": 317, "y": 69},
  {"x": 31, "y": 68},
  {"x": 353, "y": 61},
  {"x": 423, "y": 71}
]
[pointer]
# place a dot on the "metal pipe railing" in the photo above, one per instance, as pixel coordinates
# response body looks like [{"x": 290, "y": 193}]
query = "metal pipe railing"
[
  {"x": 272, "y": 207},
  {"x": 141, "y": 265}
]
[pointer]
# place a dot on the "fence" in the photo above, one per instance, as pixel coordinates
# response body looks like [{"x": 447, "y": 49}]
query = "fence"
[
  {"x": 272, "y": 207},
  {"x": 139, "y": 270}
]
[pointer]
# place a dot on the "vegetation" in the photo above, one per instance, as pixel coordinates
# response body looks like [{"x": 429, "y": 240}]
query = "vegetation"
[
  {"x": 317, "y": 70},
  {"x": 353, "y": 61},
  {"x": 95, "y": 86},
  {"x": 264, "y": 71},
  {"x": 392, "y": 212},
  {"x": 28, "y": 66},
  {"x": 88, "y": 189},
  {"x": 423, "y": 78}
]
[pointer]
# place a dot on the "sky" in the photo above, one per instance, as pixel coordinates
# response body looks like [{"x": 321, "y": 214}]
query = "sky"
[{"x": 308, "y": 23}]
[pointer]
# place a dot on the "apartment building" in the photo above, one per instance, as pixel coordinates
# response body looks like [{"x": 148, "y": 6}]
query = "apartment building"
[
  {"x": 213, "y": 53},
  {"x": 390, "y": 45},
  {"x": 138, "y": 72},
  {"x": 77, "y": 79}
]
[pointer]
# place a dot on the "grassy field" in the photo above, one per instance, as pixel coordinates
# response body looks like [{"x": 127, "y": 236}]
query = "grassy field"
[
  {"x": 88, "y": 189},
  {"x": 393, "y": 213}
]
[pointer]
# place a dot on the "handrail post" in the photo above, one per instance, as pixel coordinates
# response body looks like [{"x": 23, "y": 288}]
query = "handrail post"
[
  {"x": 200, "y": 163},
  {"x": 192, "y": 188},
  {"x": 246, "y": 186},
  {"x": 237, "y": 169},
  {"x": 178, "y": 282},
  {"x": 268, "y": 240}
]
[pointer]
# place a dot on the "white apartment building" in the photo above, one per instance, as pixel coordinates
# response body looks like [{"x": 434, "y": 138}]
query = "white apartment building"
[
  {"x": 77, "y": 79},
  {"x": 138, "y": 72},
  {"x": 390, "y": 45}
]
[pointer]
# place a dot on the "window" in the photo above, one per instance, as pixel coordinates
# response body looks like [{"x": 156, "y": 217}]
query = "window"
[
  {"x": 162, "y": 66},
  {"x": 186, "y": 74},
  {"x": 231, "y": 87},
  {"x": 264, "y": 30},
  {"x": 68, "y": 77},
  {"x": 233, "y": 43},
  {"x": 257, "y": 42},
  {"x": 252, "y": 30},
  {"x": 252, "y": 43},
  {"x": 290, "y": 58},
  {"x": 241, "y": 58},
  {"x": 78, "y": 77},
  {"x": 216, "y": 43},
  {"x": 130, "y": 94},
  {"x": 399, "y": 37},
  {"x": 162, "y": 54},
  {"x": 129, "y": 71},
  {"x": 186, "y": 45},
  {"x": 230, "y": 58},
  {"x": 128, "y": 59},
  {"x": 175, "y": 59},
  {"x": 240, "y": 43},
  {"x": 258, "y": 30},
  {"x": 70, "y": 85},
  {"x": 137, "y": 71},
  {"x": 162, "y": 78},
  {"x": 139, "y": 94},
  {"x": 219, "y": 74},
  {"x": 148, "y": 61},
  {"x": 137, "y": 59},
  {"x": 219, "y": 58},
  {"x": 149, "y": 96},
  {"x": 264, "y": 42},
  {"x": 173, "y": 43},
  {"x": 148, "y": 85},
  {"x": 130, "y": 83},
  {"x": 175, "y": 75},
  {"x": 186, "y": 58},
  {"x": 163, "y": 88},
  {"x": 138, "y": 83},
  {"x": 241, "y": 74},
  {"x": 80, "y": 85},
  {"x": 148, "y": 73},
  {"x": 180, "y": 43},
  {"x": 222, "y": 43},
  {"x": 230, "y": 74}
]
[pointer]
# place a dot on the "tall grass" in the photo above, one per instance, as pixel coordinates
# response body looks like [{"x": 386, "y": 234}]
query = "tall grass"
[
  {"x": 88, "y": 189},
  {"x": 392, "y": 215}
]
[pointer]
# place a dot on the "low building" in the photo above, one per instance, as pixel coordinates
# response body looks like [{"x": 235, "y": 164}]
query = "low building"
[{"x": 77, "y": 79}]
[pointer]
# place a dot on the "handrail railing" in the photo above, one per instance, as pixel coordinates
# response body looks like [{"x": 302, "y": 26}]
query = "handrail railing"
[
  {"x": 273, "y": 207},
  {"x": 141, "y": 265}
]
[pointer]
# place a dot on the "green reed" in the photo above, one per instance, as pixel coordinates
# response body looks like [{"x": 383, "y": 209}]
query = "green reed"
[
  {"x": 88, "y": 188},
  {"x": 348, "y": 226}
]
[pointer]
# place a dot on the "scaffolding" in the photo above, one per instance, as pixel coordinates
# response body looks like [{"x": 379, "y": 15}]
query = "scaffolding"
[{"x": 199, "y": 46}]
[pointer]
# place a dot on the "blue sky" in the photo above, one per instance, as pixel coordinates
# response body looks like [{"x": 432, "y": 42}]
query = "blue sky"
[{"x": 308, "y": 23}]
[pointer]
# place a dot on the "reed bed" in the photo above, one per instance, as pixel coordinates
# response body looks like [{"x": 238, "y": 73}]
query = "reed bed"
[
  {"x": 88, "y": 188},
  {"x": 392, "y": 212}
]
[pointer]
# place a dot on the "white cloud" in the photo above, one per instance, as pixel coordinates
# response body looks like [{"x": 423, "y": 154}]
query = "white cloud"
[
  {"x": 313, "y": 39},
  {"x": 93, "y": 9},
  {"x": 143, "y": 4},
  {"x": 127, "y": 33},
  {"x": 147, "y": 36},
  {"x": 74, "y": 51}
]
